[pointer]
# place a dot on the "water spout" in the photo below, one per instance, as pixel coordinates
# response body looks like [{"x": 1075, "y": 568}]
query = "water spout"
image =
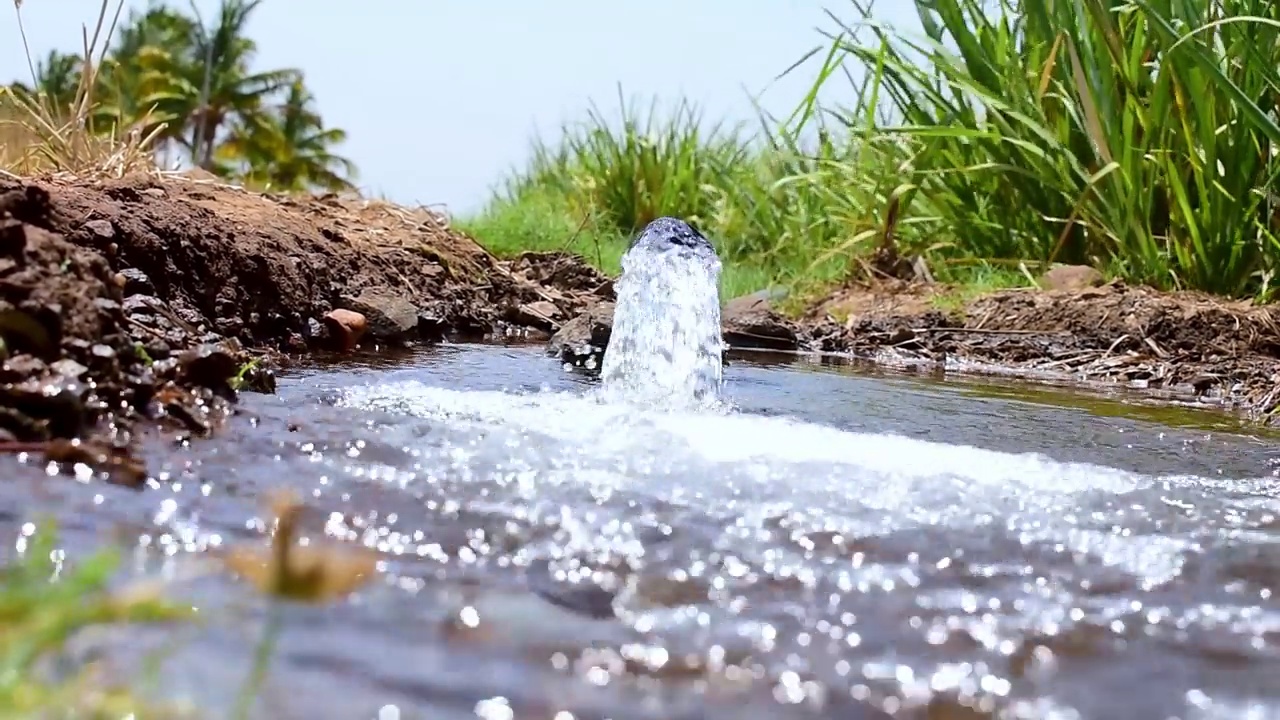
[{"x": 666, "y": 344}]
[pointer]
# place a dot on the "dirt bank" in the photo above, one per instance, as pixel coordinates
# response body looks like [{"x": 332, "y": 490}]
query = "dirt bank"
[
  {"x": 1181, "y": 344},
  {"x": 1220, "y": 352},
  {"x": 158, "y": 298}
]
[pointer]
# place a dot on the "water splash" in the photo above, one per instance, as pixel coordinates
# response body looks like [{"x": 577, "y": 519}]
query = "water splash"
[{"x": 666, "y": 343}]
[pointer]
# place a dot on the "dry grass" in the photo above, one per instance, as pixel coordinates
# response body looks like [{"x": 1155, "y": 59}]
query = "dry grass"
[{"x": 41, "y": 139}]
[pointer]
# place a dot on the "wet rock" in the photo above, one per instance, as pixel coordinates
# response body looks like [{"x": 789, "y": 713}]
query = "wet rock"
[
  {"x": 141, "y": 304},
  {"x": 68, "y": 368},
  {"x": 431, "y": 327},
  {"x": 585, "y": 337},
  {"x": 1071, "y": 277},
  {"x": 22, "y": 366},
  {"x": 345, "y": 328},
  {"x": 115, "y": 464},
  {"x": 390, "y": 315},
  {"x": 135, "y": 282},
  {"x": 210, "y": 365},
  {"x": 45, "y": 407},
  {"x": 255, "y": 378},
  {"x": 102, "y": 352},
  {"x": 751, "y": 322},
  {"x": 540, "y": 314}
]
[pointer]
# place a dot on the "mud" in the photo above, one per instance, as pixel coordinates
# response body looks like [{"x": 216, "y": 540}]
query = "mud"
[{"x": 159, "y": 299}]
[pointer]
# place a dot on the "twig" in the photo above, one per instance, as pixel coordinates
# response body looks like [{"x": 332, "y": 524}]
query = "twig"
[{"x": 984, "y": 331}]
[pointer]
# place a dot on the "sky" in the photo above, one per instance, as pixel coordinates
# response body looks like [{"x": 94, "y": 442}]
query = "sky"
[{"x": 441, "y": 99}]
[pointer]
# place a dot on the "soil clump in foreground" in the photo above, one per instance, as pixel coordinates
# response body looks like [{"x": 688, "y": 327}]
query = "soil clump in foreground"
[
  {"x": 1183, "y": 345},
  {"x": 159, "y": 300}
]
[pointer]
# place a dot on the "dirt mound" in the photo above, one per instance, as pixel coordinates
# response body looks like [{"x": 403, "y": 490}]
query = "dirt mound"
[
  {"x": 266, "y": 269},
  {"x": 1223, "y": 351},
  {"x": 136, "y": 298}
]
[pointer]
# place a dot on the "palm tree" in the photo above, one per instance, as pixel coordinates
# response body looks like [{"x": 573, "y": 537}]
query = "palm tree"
[
  {"x": 290, "y": 149},
  {"x": 140, "y": 81},
  {"x": 220, "y": 89},
  {"x": 167, "y": 66},
  {"x": 57, "y": 78}
]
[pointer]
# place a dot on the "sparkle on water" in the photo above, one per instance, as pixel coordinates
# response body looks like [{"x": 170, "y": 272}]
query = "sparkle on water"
[
  {"x": 823, "y": 545},
  {"x": 666, "y": 346}
]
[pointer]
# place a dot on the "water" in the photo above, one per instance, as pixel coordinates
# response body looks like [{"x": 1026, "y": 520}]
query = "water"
[
  {"x": 838, "y": 545},
  {"x": 666, "y": 344}
]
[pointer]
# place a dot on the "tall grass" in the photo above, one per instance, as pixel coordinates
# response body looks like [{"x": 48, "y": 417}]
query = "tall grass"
[
  {"x": 1092, "y": 131},
  {"x": 1138, "y": 136},
  {"x": 770, "y": 201}
]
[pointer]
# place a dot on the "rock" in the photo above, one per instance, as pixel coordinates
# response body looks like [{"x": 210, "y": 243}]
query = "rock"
[
  {"x": 56, "y": 405},
  {"x": 136, "y": 282},
  {"x": 209, "y": 365},
  {"x": 540, "y": 314},
  {"x": 19, "y": 367},
  {"x": 585, "y": 336},
  {"x": 141, "y": 304},
  {"x": 390, "y": 315},
  {"x": 345, "y": 328},
  {"x": 100, "y": 230},
  {"x": 68, "y": 368},
  {"x": 1071, "y": 277},
  {"x": 751, "y": 322}
]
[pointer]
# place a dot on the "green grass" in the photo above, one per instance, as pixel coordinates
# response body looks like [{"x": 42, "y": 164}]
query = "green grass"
[
  {"x": 43, "y": 604},
  {"x": 1139, "y": 137}
]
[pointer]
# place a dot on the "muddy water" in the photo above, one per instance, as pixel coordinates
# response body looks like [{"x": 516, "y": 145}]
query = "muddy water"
[{"x": 839, "y": 545}]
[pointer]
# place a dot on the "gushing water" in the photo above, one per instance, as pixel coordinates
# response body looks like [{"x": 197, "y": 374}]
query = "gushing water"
[{"x": 666, "y": 344}]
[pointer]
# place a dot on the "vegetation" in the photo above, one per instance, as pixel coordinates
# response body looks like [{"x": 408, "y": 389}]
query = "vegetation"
[
  {"x": 166, "y": 86},
  {"x": 42, "y": 605},
  {"x": 1137, "y": 136}
]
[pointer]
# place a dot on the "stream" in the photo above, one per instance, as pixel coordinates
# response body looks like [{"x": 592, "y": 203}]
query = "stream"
[{"x": 837, "y": 543}]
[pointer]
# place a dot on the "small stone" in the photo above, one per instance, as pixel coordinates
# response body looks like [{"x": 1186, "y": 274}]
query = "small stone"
[
  {"x": 140, "y": 304},
  {"x": 100, "y": 230},
  {"x": 1071, "y": 277},
  {"x": 107, "y": 306},
  {"x": 345, "y": 327},
  {"x": 209, "y": 365},
  {"x": 390, "y": 315},
  {"x": 102, "y": 352},
  {"x": 24, "y": 366},
  {"x": 68, "y": 368},
  {"x": 585, "y": 336},
  {"x": 135, "y": 282}
]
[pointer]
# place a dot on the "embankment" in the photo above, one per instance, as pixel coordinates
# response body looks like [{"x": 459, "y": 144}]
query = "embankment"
[{"x": 157, "y": 299}]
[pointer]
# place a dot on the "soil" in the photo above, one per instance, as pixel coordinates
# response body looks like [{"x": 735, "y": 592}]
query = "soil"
[
  {"x": 1222, "y": 352},
  {"x": 159, "y": 299}
]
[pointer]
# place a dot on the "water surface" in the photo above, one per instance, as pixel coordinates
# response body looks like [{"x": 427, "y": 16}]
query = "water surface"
[{"x": 838, "y": 544}]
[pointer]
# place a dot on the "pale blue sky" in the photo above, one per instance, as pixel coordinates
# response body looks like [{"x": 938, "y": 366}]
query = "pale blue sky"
[{"x": 440, "y": 99}]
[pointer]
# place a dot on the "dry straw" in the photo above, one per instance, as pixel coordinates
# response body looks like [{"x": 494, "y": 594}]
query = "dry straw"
[{"x": 41, "y": 138}]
